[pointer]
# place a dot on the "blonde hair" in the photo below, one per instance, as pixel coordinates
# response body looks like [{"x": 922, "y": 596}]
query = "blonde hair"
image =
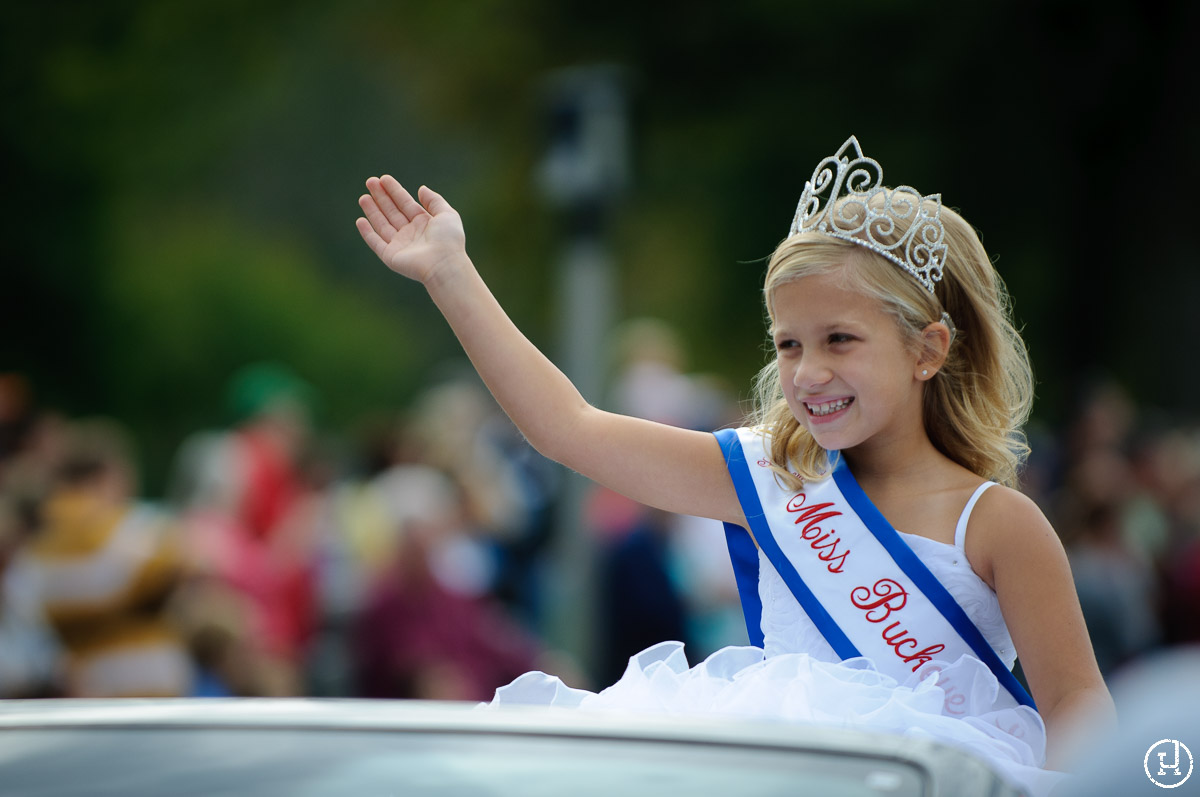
[{"x": 976, "y": 403}]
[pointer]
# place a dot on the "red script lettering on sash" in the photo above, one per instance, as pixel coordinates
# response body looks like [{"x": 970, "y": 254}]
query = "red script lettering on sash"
[
  {"x": 818, "y": 539},
  {"x": 955, "y": 700},
  {"x": 879, "y": 602}
]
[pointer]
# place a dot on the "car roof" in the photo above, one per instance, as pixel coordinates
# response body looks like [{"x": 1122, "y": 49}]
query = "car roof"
[
  {"x": 424, "y": 715},
  {"x": 951, "y": 768}
]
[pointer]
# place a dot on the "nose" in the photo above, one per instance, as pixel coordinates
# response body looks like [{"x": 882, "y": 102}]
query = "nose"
[{"x": 811, "y": 372}]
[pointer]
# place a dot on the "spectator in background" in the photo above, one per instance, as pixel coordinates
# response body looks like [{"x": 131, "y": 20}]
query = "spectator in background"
[
  {"x": 103, "y": 568},
  {"x": 32, "y": 443},
  {"x": 30, "y": 654},
  {"x": 413, "y": 550},
  {"x": 1116, "y": 584},
  {"x": 242, "y": 494},
  {"x": 1117, "y": 591},
  {"x": 429, "y": 628},
  {"x": 1172, "y": 470},
  {"x": 31, "y": 448},
  {"x": 505, "y": 486},
  {"x": 457, "y": 428},
  {"x": 16, "y": 416}
]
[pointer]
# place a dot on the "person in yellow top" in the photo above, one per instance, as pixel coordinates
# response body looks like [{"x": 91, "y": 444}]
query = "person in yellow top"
[{"x": 103, "y": 567}]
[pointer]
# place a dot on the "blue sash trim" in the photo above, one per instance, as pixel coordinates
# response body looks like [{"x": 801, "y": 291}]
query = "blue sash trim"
[
  {"x": 743, "y": 483},
  {"x": 926, "y": 581},
  {"x": 743, "y": 553},
  {"x": 744, "y": 556}
]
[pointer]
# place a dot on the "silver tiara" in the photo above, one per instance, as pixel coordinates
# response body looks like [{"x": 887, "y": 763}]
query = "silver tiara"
[{"x": 868, "y": 213}]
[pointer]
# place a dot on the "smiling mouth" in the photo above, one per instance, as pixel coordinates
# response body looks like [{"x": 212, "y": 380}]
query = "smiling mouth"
[{"x": 828, "y": 408}]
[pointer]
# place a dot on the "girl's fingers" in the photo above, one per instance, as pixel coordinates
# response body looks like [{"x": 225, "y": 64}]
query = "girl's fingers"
[
  {"x": 400, "y": 198},
  {"x": 372, "y": 238},
  {"x": 386, "y": 206},
  {"x": 432, "y": 200},
  {"x": 375, "y": 217}
]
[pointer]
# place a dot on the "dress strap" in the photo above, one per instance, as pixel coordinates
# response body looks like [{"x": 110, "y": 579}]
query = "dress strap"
[{"x": 960, "y": 531}]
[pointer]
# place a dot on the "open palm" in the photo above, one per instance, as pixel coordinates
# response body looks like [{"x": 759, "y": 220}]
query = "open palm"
[{"x": 411, "y": 238}]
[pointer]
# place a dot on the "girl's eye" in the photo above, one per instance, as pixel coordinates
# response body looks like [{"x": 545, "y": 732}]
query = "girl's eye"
[
  {"x": 839, "y": 337},
  {"x": 786, "y": 344}
]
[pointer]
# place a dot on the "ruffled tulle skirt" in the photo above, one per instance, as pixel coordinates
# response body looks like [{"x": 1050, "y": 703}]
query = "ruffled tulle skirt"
[{"x": 955, "y": 705}]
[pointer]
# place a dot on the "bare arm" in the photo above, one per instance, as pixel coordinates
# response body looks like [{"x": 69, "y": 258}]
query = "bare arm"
[
  {"x": 1029, "y": 570},
  {"x": 673, "y": 469}
]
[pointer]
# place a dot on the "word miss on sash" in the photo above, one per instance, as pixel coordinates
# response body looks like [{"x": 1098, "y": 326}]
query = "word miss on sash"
[{"x": 825, "y": 543}]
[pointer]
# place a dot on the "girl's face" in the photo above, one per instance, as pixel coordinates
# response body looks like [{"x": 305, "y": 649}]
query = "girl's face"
[{"x": 843, "y": 365}]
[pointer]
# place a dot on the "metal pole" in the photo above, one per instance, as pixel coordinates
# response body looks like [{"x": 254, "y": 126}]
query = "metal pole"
[{"x": 583, "y": 174}]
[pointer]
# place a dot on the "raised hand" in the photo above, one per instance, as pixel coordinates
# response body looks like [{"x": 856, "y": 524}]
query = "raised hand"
[{"x": 411, "y": 238}]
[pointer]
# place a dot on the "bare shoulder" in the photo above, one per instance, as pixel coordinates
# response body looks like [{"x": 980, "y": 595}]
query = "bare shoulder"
[
  {"x": 1007, "y": 527},
  {"x": 1006, "y": 508}
]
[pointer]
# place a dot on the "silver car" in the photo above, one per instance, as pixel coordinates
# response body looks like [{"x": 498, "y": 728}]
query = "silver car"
[{"x": 300, "y": 747}]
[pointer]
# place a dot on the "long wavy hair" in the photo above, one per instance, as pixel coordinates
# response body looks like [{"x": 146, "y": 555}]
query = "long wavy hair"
[{"x": 975, "y": 405}]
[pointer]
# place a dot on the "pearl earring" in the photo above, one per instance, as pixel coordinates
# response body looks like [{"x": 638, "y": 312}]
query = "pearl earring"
[{"x": 924, "y": 372}]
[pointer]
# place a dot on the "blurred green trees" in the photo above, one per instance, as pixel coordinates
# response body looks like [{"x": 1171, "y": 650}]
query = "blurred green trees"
[{"x": 181, "y": 177}]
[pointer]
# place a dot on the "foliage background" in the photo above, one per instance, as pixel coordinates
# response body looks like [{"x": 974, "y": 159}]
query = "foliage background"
[{"x": 180, "y": 180}]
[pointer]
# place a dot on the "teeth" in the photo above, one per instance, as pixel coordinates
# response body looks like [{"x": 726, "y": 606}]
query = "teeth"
[{"x": 827, "y": 408}]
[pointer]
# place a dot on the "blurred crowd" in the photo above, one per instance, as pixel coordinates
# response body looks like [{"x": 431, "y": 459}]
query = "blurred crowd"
[
  {"x": 411, "y": 560},
  {"x": 1122, "y": 486},
  {"x": 277, "y": 562}
]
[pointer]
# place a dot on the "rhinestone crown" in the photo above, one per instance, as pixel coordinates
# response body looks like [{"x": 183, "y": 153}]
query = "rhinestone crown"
[{"x": 868, "y": 213}]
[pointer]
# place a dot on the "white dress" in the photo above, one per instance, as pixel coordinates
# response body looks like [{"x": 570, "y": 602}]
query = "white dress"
[{"x": 796, "y": 676}]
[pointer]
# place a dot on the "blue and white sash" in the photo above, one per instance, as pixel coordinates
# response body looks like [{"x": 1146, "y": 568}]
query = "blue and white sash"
[{"x": 865, "y": 590}]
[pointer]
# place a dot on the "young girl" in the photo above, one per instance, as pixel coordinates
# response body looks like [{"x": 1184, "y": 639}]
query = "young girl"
[{"x": 890, "y": 572}]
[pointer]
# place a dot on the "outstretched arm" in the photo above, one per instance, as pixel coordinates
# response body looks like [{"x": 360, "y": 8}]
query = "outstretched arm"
[{"x": 673, "y": 469}]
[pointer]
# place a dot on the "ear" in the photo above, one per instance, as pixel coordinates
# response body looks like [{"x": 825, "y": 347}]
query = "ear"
[{"x": 935, "y": 345}]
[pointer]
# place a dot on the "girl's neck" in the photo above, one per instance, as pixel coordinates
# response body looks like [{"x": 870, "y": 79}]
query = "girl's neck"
[{"x": 899, "y": 466}]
